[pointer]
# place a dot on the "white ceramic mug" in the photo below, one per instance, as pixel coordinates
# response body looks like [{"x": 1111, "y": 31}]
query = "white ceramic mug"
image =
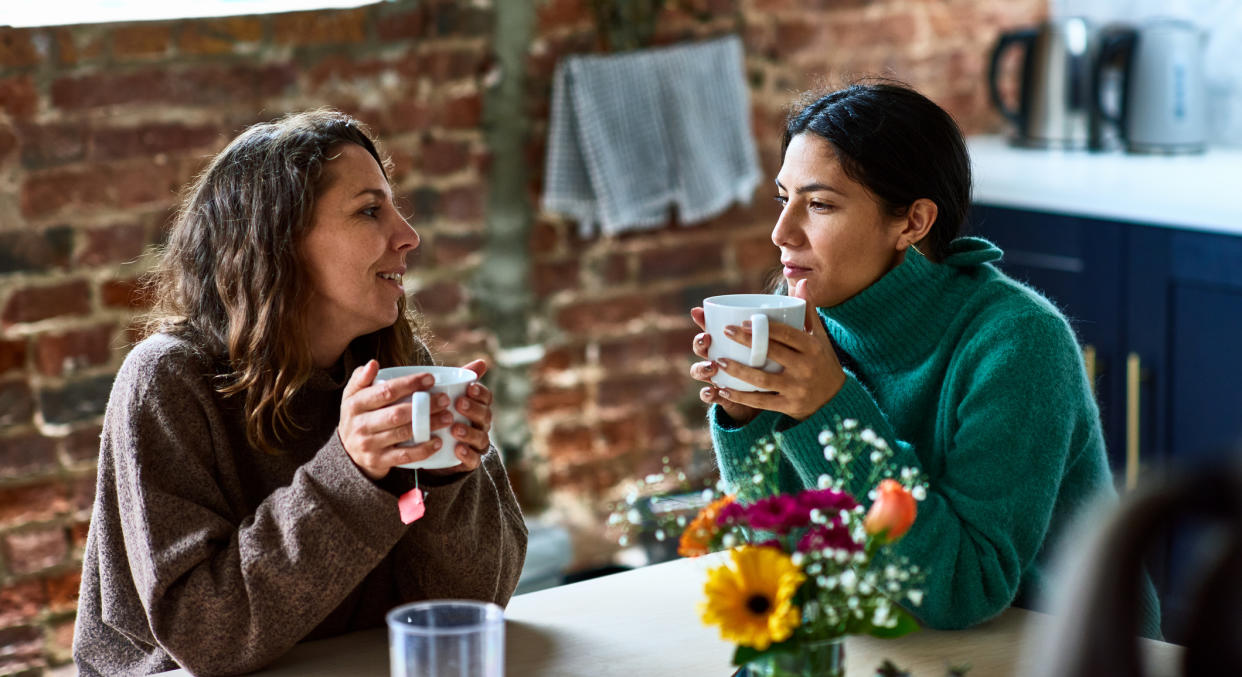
[
  {"x": 759, "y": 310},
  {"x": 451, "y": 381}
]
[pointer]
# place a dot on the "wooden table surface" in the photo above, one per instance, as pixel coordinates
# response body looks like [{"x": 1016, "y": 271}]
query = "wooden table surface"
[{"x": 645, "y": 622}]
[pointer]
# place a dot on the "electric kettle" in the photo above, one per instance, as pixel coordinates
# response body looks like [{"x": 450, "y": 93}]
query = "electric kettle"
[
  {"x": 1056, "y": 95},
  {"x": 1163, "y": 90}
]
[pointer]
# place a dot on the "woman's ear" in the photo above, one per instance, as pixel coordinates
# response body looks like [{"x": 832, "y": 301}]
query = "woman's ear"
[{"x": 917, "y": 222}]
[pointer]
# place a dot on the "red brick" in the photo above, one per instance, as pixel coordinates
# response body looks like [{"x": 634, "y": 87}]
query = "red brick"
[
  {"x": 8, "y": 141},
  {"x": 438, "y": 156},
  {"x": 677, "y": 342},
  {"x": 127, "y": 293},
  {"x": 615, "y": 268},
  {"x": 21, "y": 602},
  {"x": 61, "y": 189},
  {"x": 446, "y": 64},
  {"x": 149, "y": 139},
  {"x": 191, "y": 86},
  {"x": 80, "y": 399},
  {"x": 32, "y": 550},
  {"x": 555, "y": 14},
  {"x": 25, "y": 454},
  {"x": 407, "y": 116},
  {"x": 31, "y": 304},
  {"x": 553, "y": 276},
  {"x": 402, "y": 25},
  {"x": 17, "y": 406},
  {"x": 569, "y": 443},
  {"x": 82, "y": 493},
  {"x": 320, "y": 27},
  {"x": 23, "y": 651},
  {"x": 345, "y": 68},
  {"x": 625, "y": 390},
  {"x": 78, "y": 532},
  {"x": 756, "y": 253},
  {"x": 561, "y": 358},
  {"x": 547, "y": 399},
  {"x": 545, "y": 238},
  {"x": 464, "y": 203},
  {"x": 681, "y": 260},
  {"x": 12, "y": 355},
  {"x": 462, "y": 112},
  {"x": 73, "y": 350},
  {"x": 112, "y": 244},
  {"x": 18, "y": 97},
  {"x": 621, "y": 437},
  {"x": 47, "y": 145},
  {"x": 81, "y": 445},
  {"x": 62, "y": 590},
  {"x": 602, "y": 314},
  {"x": 457, "y": 247},
  {"x": 17, "y": 50},
  {"x": 626, "y": 351},
  {"x": 36, "y": 250},
  {"x": 440, "y": 299},
  {"x": 141, "y": 40},
  {"x": 219, "y": 36},
  {"x": 59, "y": 646},
  {"x": 32, "y": 503}
]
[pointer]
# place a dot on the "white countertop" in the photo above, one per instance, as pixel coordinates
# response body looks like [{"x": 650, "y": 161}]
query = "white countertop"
[{"x": 1200, "y": 192}]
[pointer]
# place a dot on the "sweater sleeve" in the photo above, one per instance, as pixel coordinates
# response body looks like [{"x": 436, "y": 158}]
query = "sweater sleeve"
[
  {"x": 1018, "y": 412},
  {"x": 222, "y": 592}
]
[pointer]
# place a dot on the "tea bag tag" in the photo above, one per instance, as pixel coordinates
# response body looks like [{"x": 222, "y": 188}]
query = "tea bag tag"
[{"x": 410, "y": 504}]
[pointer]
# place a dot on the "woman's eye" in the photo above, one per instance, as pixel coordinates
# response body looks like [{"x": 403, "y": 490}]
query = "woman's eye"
[
  {"x": 781, "y": 200},
  {"x": 370, "y": 211},
  {"x": 820, "y": 206}
]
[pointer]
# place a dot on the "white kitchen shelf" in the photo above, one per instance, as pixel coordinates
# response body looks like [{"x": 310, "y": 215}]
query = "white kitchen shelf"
[{"x": 1202, "y": 192}]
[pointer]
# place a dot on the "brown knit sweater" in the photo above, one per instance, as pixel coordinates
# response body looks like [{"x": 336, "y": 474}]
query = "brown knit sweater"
[{"x": 208, "y": 554}]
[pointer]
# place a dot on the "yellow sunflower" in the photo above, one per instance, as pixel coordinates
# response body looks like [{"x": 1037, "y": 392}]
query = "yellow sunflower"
[{"x": 751, "y": 599}]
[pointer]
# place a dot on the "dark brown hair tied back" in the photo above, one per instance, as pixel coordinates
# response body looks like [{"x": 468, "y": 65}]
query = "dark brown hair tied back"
[{"x": 230, "y": 279}]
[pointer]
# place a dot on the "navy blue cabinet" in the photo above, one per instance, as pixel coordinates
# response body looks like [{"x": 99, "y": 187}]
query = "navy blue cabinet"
[{"x": 1161, "y": 309}]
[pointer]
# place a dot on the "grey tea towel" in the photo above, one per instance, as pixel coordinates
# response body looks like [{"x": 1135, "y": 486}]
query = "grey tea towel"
[{"x": 633, "y": 134}]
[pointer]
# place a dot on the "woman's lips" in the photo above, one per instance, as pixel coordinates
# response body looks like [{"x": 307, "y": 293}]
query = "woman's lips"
[{"x": 795, "y": 271}]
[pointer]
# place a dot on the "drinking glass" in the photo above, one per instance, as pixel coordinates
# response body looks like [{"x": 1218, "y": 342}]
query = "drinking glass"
[{"x": 447, "y": 638}]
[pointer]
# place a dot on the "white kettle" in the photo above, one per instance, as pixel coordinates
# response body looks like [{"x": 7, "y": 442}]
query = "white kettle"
[{"x": 1163, "y": 89}]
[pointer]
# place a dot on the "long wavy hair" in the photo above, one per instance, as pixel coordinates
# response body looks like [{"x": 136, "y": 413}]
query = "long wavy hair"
[{"x": 230, "y": 278}]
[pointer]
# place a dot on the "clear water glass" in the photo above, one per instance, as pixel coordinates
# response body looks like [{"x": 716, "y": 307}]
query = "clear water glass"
[{"x": 447, "y": 638}]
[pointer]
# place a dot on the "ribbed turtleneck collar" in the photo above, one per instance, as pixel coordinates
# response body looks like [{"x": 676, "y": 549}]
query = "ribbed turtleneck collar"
[{"x": 901, "y": 317}]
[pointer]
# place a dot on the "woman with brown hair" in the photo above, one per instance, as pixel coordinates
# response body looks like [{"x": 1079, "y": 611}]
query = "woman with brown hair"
[{"x": 248, "y": 482}]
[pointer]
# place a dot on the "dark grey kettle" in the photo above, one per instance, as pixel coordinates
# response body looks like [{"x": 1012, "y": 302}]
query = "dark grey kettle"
[
  {"x": 1056, "y": 93},
  {"x": 1163, "y": 86}
]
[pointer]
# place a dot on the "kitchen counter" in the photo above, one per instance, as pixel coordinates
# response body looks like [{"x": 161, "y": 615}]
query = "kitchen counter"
[
  {"x": 646, "y": 622},
  {"x": 1185, "y": 191}
]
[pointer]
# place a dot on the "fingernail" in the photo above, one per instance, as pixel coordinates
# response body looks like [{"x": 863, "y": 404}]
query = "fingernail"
[
  {"x": 699, "y": 339},
  {"x": 446, "y": 418},
  {"x": 723, "y": 393},
  {"x": 723, "y": 363},
  {"x": 442, "y": 400},
  {"x": 730, "y": 330},
  {"x": 427, "y": 380},
  {"x": 436, "y": 443},
  {"x": 465, "y": 405},
  {"x": 459, "y": 430},
  {"x": 746, "y": 324}
]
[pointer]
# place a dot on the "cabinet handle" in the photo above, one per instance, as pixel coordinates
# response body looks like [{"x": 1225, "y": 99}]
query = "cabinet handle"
[
  {"x": 1134, "y": 368},
  {"x": 1088, "y": 359}
]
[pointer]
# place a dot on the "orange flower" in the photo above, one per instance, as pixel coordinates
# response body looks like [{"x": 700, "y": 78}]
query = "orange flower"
[
  {"x": 697, "y": 537},
  {"x": 892, "y": 513}
]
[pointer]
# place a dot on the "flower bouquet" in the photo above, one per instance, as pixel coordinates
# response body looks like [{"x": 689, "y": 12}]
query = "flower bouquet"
[{"x": 807, "y": 568}]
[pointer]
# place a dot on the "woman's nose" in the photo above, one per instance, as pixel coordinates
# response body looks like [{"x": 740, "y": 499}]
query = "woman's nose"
[
  {"x": 406, "y": 237},
  {"x": 786, "y": 231}
]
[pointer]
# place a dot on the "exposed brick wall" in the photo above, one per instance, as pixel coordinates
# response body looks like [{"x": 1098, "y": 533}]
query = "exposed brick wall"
[{"x": 100, "y": 126}]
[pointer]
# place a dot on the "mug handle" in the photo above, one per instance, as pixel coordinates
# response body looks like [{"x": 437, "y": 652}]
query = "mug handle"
[
  {"x": 421, "y": 420},
  {"x": 758, "y": 340}
]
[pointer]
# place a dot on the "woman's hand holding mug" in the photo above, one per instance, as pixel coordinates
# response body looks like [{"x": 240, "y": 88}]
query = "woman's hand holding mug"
[
  {"x": 811, "y": 374},
  {"x": 377, "y": 419}
]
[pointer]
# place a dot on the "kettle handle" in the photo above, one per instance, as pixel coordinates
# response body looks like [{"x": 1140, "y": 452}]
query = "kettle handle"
[
  {"x": 1113, "y": 44},
  {"x": 1026, "y": 37}
]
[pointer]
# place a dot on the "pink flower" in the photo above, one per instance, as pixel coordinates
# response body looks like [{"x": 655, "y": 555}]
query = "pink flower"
[
  {"x": 778, "y": 514},
  {"x": 827, "y": 536},
  {"x": 731, "y": 514},
  {"x": 828, "y": 501}
]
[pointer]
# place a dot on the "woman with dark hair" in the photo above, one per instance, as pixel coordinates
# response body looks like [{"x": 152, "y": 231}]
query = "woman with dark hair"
[
  {"x": 973, "y": 380},
  {"x": 248, "y": 482}
]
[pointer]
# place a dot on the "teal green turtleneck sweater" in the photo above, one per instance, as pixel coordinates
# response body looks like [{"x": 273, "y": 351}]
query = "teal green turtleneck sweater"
[{"x": 978, "y": 382}]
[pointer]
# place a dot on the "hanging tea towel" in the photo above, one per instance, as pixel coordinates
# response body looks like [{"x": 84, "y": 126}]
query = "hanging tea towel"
[{"x": 635, "y": 133}]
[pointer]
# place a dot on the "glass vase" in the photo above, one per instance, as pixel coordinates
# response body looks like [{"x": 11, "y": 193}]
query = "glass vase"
[{"x": 821, "y": 658}]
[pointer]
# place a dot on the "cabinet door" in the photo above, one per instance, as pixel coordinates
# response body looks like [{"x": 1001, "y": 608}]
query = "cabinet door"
[
  {"x": 1076, "y": 263},
  {"x": 1184, "y": 322}
]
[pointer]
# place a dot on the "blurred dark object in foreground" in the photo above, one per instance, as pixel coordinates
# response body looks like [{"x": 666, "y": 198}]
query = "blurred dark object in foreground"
[{"x": 1096, "y": 629}]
